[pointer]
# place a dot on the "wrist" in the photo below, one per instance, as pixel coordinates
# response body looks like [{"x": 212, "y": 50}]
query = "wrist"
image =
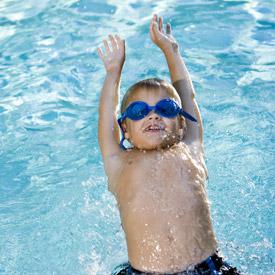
[
  {"x": 172, "y": 50},
  {"x": 113, "y": 72},
  {"x": 114, "y": 66}
]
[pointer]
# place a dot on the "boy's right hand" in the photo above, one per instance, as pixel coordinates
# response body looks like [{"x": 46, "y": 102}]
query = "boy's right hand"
[{"x": 114, "y": 58}]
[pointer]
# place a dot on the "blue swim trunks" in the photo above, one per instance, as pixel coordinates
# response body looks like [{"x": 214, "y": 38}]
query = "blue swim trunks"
[{"x": 213, "y": 265}]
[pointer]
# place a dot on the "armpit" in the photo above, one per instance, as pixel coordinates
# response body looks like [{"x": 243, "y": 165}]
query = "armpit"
[
  {"x": 111, "y": 187},
  {"x": 112, "y": 183},
  {"x": 197, "y": 152}
]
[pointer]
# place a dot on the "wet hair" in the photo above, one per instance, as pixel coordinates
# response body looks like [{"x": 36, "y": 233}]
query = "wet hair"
[{"x": 149, "y": 84}]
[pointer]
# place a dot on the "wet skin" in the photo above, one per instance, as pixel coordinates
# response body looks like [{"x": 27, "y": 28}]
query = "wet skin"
[{"x": 161, "y": 195}]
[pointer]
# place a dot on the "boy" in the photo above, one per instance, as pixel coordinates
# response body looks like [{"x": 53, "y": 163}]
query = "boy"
[{"x": 159, "y": 182}]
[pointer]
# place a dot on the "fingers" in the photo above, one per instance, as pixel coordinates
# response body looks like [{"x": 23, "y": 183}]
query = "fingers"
[
  {"x": 168, "y": 29},
  {"x": 154, "y": 26},
  {"x": 160, "y": 24},
  {"x": 157, "y": 24},
  {"x": 100, "y": 53},
  {"x": 120, "y": 42},
  {"x": 107, "y": 48},
  {"x": 155, "y": 18},
  {"x": 154, "y": 23},
  {"x": 115, "y": 43}
]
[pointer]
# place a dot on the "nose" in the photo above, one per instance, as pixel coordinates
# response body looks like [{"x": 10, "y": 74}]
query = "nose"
[{"x": 153, "y": 115}]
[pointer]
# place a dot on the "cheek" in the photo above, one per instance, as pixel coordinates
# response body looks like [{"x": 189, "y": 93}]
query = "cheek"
[
  {"x": 134, "y": 127},
  {"x": 172, "y": 124}
]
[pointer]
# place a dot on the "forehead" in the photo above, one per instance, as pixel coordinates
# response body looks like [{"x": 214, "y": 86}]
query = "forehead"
[{"x": 150, "y": 96}]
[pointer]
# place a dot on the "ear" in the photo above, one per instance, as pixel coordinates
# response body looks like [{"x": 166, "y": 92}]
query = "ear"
[
  {"x": 126, "y": 135},
  {"x": 183, "y": 127}
]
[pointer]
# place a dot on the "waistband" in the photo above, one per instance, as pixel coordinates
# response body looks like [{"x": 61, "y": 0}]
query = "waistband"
[{"x": 213, "y": 263}]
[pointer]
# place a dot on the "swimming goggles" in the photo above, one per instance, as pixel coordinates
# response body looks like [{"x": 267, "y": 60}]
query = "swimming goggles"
[{"x": 139, "y": 109}]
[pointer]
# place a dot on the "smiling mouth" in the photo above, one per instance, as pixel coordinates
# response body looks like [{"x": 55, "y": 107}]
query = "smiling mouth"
[{"x": 154, "y": 129}]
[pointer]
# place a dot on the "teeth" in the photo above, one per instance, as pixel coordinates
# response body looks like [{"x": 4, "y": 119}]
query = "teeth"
[{"x": 154, "y": 128}]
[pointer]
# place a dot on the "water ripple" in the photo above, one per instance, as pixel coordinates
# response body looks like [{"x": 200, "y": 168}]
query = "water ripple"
[{"x": 53, "y": 191}]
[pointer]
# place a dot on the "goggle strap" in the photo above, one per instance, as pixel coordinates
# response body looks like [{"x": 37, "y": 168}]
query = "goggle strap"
[
  {"x": 123, "y": 137},
  {"x": 121, "y": 144},
  {"x": 187, "y": 116}
]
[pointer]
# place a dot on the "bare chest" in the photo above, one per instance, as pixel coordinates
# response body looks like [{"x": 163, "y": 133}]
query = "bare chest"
[{"x": 162, "y": 176}]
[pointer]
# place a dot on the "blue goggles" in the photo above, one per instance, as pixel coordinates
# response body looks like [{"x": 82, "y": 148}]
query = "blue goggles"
[{"x": 139, "y": 109}]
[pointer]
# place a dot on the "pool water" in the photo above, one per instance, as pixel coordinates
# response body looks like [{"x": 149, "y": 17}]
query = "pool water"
[{"x": 56, "y": 215}]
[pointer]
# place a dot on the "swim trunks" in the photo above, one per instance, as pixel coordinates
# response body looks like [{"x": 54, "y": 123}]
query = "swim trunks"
[{"x": 213, "y": 265}]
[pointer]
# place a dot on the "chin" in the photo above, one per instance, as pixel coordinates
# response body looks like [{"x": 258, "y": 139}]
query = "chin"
[
  {"x": 148, "y": 147},
  {"x": 151, "y": 146},
  {"x": 154, "y": 146},
  {"x": 152, "y": 143}
]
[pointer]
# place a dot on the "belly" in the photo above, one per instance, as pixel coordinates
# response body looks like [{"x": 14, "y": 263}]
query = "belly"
[{"x": 168, "y": 229}]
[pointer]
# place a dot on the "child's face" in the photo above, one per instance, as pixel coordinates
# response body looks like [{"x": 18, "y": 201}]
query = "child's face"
[{"x": 153, "y": 131}]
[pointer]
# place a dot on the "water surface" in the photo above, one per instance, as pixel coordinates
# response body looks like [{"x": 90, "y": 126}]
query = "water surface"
[{"x": 56, "y": 215}]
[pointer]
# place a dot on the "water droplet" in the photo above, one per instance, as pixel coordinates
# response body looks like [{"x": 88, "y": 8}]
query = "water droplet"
[{"x": 158, "y": 248}]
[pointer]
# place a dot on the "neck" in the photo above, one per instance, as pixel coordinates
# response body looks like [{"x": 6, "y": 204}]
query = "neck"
[{"x": 160, "y": 148}]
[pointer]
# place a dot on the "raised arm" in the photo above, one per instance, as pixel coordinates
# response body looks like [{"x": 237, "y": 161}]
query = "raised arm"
[
  {"x": 180, "y": 79},
  {"x": 108, "y": 129}
]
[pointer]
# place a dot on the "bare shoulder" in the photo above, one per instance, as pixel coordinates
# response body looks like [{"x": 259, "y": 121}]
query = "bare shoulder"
[{"x": 196, "y": 151}]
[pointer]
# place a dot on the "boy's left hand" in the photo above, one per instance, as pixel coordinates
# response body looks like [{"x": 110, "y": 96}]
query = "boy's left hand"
[{"x": 165, "y": 41}]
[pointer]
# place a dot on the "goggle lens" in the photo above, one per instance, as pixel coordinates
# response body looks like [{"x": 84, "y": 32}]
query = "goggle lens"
[
  {"x": 137, "y": 110},
  {"x": 167, "y": 108}
]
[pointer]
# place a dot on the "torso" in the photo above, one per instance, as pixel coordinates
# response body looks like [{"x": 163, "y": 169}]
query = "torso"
[{"x": 164, "y": 209}]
